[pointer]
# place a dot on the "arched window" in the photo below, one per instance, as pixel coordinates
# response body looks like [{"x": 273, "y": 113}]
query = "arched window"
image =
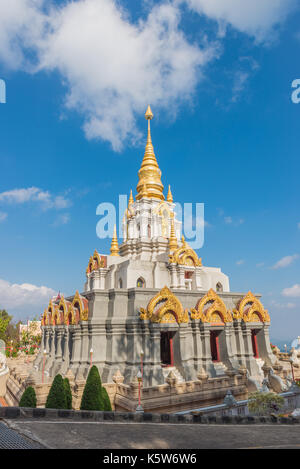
[
  {"x": 219, "y": 287},
  {"x": 120, "y": 283},
  {"x": 141, "y": 283},
  {"x": 149, "y": 231}
]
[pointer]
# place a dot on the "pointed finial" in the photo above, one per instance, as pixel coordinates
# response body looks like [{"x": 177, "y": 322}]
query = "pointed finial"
[
  {"x": 169, "y": 196},
  {"x": 183, "y": 240},
  {"x": 114, "y": 248},
  {"x": 173, "y": 240},
  {"x": 148, "y": 113},
  {"x": 130, "y": 201},
  {"x": 149, "y": 172}
]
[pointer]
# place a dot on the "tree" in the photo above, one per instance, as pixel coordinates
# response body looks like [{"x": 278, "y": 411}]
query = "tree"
[
  {"x": 4, "y": 322},
  {"x": 265, "y": 403},
  {"x": 105, "y": 399},
  {"x": 68, "y": 393},
  {"x": 92, "y": 395},
  {"x": 28, "y": 398},
  {"x": 57, "y": 396}
]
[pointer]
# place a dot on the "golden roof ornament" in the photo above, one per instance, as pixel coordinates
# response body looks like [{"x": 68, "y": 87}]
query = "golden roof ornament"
[
  {"x": 130, "y": 201},
  {"x": 185, "y": 255},
  {"x": 170, "y": 196},
  {"x": 149, "y": 184},
  {"x": 114, "y": 248},
  {"x": 173, "y": 240}
]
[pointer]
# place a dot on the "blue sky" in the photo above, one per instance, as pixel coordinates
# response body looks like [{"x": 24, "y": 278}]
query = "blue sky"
[{"x": 225, "y": 133}]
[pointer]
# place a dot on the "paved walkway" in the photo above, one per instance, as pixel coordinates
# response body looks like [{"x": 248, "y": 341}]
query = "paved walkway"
[
  {"x": 10, "y": 439},
  {"x": 64, "y": 434}
]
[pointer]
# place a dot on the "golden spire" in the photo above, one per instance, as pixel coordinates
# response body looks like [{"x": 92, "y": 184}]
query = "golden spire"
[
  {"x": 130, "y": 201},
  {"x": 173, "y": 240},
  {"x": 169, "y": 196},
  {"x": 149, "y": 184},
  {"x": 114, "y": 247}
]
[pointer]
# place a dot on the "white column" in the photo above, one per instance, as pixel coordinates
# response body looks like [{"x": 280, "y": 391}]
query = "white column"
[
  {"x": 173, "y": 275},
  {"x": 180, "y": 271},
  {"x": 198, "y": 280}
]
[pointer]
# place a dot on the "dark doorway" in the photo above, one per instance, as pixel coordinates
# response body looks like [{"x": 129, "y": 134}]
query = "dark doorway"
[
  {"x": 214, "y": 346},
  {"x": 254, "y": 343},
  {"x": 166, "y": 348}
]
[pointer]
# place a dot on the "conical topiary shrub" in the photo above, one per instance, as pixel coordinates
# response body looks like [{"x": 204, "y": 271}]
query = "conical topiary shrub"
[
  {"x": 57, "y": 396},
  {"x": 92, "y": 396},
  {"x": 68, "y": 393},
  {"x": 28, "y": 398},
  {"x": 105, "y": 399}
]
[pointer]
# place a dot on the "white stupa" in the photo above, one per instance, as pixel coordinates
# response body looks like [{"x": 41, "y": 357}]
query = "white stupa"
[{"x": 296, "y": 343}]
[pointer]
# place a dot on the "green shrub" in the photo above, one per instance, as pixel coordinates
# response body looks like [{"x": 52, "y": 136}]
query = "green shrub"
[
  {"x": 68, "y": 393},
  {"x": 105, "y": 399},
  {"x": 28, "y": 398},
  {"x": 57, "y": 396},
  {"x": 265, "y": 403},
  {"x": 92, "y": 396}
]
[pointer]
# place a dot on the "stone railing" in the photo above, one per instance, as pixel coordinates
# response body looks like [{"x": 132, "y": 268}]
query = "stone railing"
[
  {"x": 174, "y": 396},
  {"x": 240, "y": 408},
  {"x": 21, "y": 413}
]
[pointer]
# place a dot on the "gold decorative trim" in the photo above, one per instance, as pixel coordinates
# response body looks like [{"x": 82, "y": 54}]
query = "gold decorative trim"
[
  {"x": 255, "y": 311},
  {"x": 95, "y": 262},
  {"x": 216, "y": 312},
  {"x": 78, "y": 303},
  {"x": 50, "y": 307},
  {"x": 170, "y": 311},
  {"x": 67, "y": 315},
  {"x": 56, "y": 318},
  {"x": 172, "y": 240},
  {"x": 185, "y": 255},
  {"x": 114, "y": 248},
  {"x": 62, "y": 305},
  {"x": 45, "y": 318}
]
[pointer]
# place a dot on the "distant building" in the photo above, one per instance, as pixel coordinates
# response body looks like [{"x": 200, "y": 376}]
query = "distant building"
[{"x": 32, "y": 327}]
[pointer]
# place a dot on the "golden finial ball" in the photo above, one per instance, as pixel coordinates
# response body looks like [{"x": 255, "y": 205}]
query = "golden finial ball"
[{"x": 148, "y": 113}]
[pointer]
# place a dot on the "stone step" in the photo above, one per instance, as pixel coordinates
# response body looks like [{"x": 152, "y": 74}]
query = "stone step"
[{"x": 167, "y": 369}]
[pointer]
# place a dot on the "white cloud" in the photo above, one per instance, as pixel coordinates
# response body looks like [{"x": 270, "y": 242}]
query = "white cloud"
[
  {"x": 3, "y": 216},
  {"x": 240, "y": 262},
  {"x": 256, "y": 18},
  {"x": 21, "y": 26},
  {"x": 293, "y": 291},
  {"x": 246, "y": 67},
  {"x": 62, "y": 219},
  {"x": 235, "y": 222},
  {"x": 285, "y": 261},
  {"x": 112, "y": 68},
  {"x": 34, "y": 194},
  {"x": 289, "y": 305},
  {"x": 24, "y": 298}
]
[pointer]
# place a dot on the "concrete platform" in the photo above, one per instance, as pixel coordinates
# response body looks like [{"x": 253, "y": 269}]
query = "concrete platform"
[{"x": 104, "y": 435}]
